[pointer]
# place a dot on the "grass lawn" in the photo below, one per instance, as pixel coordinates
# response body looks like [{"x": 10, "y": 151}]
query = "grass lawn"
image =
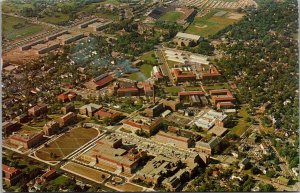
[
  {"x": 148, "y": 58},
  {"x": 172, "y": 90},
  {"x": 61, "y": 180},
  {"x": 66, "y": 144},
  {"x": 56, "y": 18},
  {"x": 171, "y": 16},
  {"x": 78, "y": 104},
  {"x": 14, "y": 7},
  {"x": 14, "y": 28},
  {"x": 242, "y": 125},
  {"x": 193, "y": 88},
  {"x": 143, "y": 74},
  {"x": 215, "y": 86},
  {"x": 209, "y": 24},
  {"x": 86, "y": 172},
  {"x": 127, "y": 187}
]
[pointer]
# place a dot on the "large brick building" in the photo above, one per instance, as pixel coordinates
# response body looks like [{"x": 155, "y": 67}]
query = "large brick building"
[
  {"x": 51, "y": 128},
  {"x": 148, "y": 125},
  {"x": 26, "y": 139},
  {"x": 38, "y": 110},
  {"x": 109, "y": 151}
]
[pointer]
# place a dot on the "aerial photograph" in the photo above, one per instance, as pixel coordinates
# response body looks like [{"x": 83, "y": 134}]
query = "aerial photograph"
[{"x": 150, "y": 96}]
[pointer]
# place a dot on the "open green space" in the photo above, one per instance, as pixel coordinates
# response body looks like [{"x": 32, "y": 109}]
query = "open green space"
[
  {"x": 215, "y": 86},
  {"x": 173, "y": 90},
  {"x": 57, "y": 18},
  {"x": 66, "y": 144},
  {"x": 14, "y": 7},
  {"x": 242, "y": 124},
  {"x": 171, "y": 16},
  {"x": 143, "y": 74},
  {"x": 14, "y": 28},
  {"x": 149, "y": 57},
  {"x": 193, "y": 88},
  {"x": 209, "y": 24}
]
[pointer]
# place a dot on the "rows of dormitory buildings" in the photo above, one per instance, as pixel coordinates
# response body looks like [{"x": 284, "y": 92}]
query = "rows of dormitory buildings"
[
  {"x": 64, "y": 37},
  {"x": 16, "y": 136},
  {"x": 52, "y": 42},
  {"x": 217, "y": 3}
]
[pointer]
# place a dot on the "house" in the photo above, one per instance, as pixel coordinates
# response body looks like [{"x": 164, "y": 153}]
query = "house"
[
  {"x": 208, "y": 147},
  {"x": 67, "y": 96},
  {"x": 8, "y": 127},
  {"x": 148, "y": 125},
  {"x": 68, "y": 108},
  {"x": 89, "y": 109},
  {"x": 185, "y": 39},
  {"x": 51, "y": 128},
  {"x": 26, "y": 139},
  {"x": 67, "y": 119},
  {"x": 10, "y": 175},
  {"x": 38, "y": 110}
]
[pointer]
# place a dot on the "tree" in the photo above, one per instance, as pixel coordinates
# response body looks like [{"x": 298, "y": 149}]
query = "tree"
[{"x": 266, "y": 188}]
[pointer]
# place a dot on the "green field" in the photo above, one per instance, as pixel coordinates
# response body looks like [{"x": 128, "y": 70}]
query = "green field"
[
  {"x": 14, "y": 28},
  {"x": 172, "y": 90},
  {"x": 215, "y": 86},
  {"x": 149, "y": 58},
  {"x": 143, "y": 74},
  {"x": 242, "y": 125},
  {"x": 56, "y": 18},
  {"x": 14, "y": 7},
  {"x": 171, "y": 16},
  {"x": 209, "y": 24}
]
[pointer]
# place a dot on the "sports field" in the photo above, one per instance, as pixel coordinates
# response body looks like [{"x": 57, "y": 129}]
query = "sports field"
[
  {"x": 14, "y": 28},
  {"x": 211, "y": 23},
  {"x": 66, "y": 144},
  {"x": 171, "y": 16}
]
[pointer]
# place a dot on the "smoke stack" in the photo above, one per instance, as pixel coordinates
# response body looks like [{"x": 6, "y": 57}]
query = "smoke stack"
[{"x": 153, "y": 94}]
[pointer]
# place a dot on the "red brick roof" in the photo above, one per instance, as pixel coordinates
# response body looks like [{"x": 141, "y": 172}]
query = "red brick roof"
[
  {"x": 179, "y": 74},
  {"x": 128, "y": 90},
  {"x": 8, "y": 169},
  {"x": 104, "y": 81},
  {"x": 49, "y": 173},
  {"x": 188, "y": 93},
  {"x": 225, "y": 103},
  {"x": 133, "y": 124},
  {"x": 182, "y": 139}
]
